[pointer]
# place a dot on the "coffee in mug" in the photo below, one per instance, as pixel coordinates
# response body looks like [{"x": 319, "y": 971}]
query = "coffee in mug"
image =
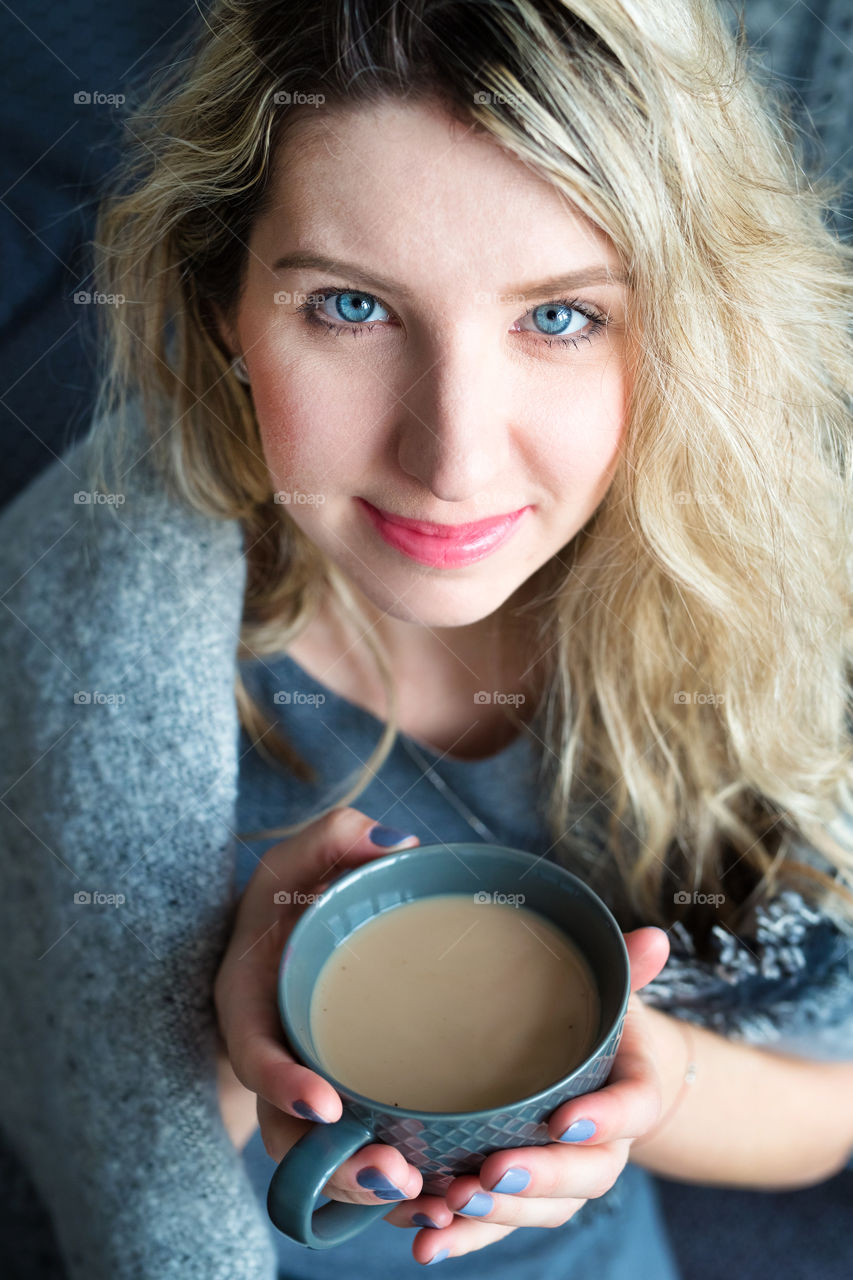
[
  {"x": 454, "y": 1003},
  {"x": 493, "y": 967}
]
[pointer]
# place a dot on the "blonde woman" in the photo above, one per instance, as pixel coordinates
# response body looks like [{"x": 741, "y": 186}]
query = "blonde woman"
[{"x": 489, "y": 370}]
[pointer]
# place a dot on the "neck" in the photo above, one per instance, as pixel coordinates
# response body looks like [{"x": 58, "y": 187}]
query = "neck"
[{"x": 470, "y": 653}]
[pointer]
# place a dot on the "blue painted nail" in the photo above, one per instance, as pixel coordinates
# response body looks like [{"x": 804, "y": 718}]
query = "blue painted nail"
[
  {"x": 578, "y": 1132},
  {"x": 373, "y": 1180},
  {"x": 439, "y": 1257},
  {"x": 388, "y": 836},
  {"x": 513, "y": 1181},
  {"x": 479, "y": 1204},
  {"x": 421, "y": 1220},
  {"x": 308, "y": 1113}
]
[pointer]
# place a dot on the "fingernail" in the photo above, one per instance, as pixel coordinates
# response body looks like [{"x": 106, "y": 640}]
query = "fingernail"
[
  {"x": 308, "y": 1113},
  {"x": 513, "y": 1181},
  {"x": 373, "y": 1180},
  {"x": 578, "y": 1132},
  {"x": 421, "y": 1220},
  {"x": 479, "y": 1204},
  {"x": 388, "y": 836},
  {"x": 439, "y": 1257}
]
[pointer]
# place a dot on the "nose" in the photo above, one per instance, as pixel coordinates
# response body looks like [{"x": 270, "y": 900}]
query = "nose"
[{"x": 454, "y": 434}]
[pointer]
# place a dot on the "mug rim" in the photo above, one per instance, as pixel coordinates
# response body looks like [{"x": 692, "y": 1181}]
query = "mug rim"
[{"x": 349, "y": 1095}]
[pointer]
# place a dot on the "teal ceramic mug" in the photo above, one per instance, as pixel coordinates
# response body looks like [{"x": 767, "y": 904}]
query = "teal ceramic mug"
[{"x": 442, "y": 1145}]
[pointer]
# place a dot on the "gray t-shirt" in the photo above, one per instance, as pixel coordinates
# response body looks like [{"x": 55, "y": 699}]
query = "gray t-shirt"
[{"x": 615, "y": 1233}]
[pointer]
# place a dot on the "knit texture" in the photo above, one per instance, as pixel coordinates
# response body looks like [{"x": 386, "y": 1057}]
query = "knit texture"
[{"x": 106, "y": 1015}]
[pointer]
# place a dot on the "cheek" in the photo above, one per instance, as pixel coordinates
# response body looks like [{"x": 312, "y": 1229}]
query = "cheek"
[
  {"x": 582, "y": 451},
  {"x": 310, "y": 422}
]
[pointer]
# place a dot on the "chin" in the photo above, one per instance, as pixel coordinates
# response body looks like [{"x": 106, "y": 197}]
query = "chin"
[{"x": 436, "y": 604}]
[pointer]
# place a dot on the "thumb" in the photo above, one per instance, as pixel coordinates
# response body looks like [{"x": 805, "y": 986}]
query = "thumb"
[
  {"x": 330, "y": 845},
  {"x": 648, "y": 952},
  {"x": 367, "y": 840}
]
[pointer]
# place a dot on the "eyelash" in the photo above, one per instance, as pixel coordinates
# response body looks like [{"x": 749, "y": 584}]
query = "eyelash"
[{"x": 310, "y": 310}]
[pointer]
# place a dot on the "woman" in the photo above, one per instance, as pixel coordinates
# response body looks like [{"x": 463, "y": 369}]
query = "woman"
[{"x": 600, "y": 319}]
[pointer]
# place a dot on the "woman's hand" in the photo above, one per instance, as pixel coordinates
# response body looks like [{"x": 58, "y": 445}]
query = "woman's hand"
[
  {"x": 238, "y": 1106},
  {"x": 562, "y": 1176},
  {"x": 291, "y": 1096}
]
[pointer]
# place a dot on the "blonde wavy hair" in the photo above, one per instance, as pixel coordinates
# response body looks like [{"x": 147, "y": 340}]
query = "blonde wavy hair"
[{"x": 693, "y": 642}]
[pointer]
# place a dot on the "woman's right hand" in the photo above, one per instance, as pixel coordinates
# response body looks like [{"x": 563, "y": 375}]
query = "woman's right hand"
[{"x": 283, "y": 885}]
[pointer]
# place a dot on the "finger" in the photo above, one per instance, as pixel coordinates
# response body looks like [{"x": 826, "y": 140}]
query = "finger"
[
  {"x": 245, "y": 990},
  {"x": 648, "y": 952},
  {"x": 465, "y": 1235},
  {"x": 424, "y": 1210},
  {"x": 323, "y": 850},
  {"x": 257, "y": 1051},
  {"x": 626, "y": 1107},
  {"x": 553, "y": 1172},
  {"x": 455, "y": 1241},
  {"x": 374, "y": 1174}
]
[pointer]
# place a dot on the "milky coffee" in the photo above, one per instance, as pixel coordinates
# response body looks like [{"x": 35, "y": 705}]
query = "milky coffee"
[{"x": 453, "y": 1004}]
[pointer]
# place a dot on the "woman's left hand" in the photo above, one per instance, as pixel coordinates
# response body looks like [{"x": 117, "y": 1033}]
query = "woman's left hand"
[{"x": 565, "y": 1174}]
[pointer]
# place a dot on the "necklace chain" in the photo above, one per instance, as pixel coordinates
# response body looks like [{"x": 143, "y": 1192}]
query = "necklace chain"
[{"x": 428, "y": 770}]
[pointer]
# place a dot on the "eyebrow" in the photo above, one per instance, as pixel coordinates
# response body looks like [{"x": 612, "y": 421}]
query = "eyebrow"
[{"x": 597, "y": 273}]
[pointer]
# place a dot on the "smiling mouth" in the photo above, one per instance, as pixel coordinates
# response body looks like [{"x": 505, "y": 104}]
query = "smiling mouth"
[
  {"x": 442, "y": 546},
  {"x": 463, "y": 532}
]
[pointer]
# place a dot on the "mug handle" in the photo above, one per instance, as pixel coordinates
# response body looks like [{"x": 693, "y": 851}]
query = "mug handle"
[{"x": 299, "y": 1180}]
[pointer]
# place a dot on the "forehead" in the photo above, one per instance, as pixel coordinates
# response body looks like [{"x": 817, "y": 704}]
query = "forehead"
[{"x": 408, "y": 188}]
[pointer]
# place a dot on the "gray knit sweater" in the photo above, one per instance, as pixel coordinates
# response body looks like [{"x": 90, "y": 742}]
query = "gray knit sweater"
[
  {"x": 119, "y": 771},
  {"x": 118, "y": 776}
]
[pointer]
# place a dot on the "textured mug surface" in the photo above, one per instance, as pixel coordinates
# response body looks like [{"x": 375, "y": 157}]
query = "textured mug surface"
[{"x": 442, "y": 1145}]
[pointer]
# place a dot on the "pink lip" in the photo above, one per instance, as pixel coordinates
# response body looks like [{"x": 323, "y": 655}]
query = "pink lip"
[{"x": 442, "y": 546}]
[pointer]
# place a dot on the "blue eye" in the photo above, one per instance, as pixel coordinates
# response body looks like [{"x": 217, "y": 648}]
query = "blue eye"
[
  {"x": 354, "y": 307},
  {"x": 562, "y": 321},
  {"x": 558, "y": 319}
]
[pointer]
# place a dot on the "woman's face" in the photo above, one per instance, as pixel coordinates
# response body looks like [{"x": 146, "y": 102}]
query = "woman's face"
[{"x": 435, "y": 370}]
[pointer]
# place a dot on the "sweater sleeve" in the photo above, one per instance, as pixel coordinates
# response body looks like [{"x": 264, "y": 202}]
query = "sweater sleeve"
[{"x": 118, "y": 763}]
